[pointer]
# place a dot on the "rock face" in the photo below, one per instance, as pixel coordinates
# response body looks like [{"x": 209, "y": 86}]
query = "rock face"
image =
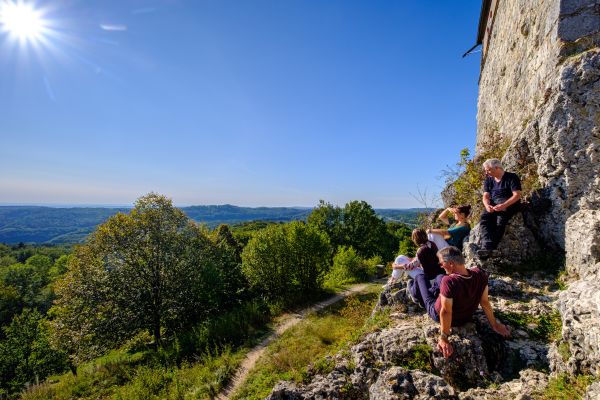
[
  {"x": 518, "y": 245},
  {"x": 402, "y": 361},
  {"x": 540, "y": 92}
]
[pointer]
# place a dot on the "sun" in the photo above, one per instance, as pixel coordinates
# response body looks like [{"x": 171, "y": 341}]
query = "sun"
[{"x": 21, "y": 21}]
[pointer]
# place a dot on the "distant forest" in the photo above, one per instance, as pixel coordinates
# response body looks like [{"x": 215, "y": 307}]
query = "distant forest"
[{"x": 50, "y": 225}]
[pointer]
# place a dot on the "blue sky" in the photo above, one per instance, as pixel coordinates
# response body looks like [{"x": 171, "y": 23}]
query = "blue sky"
[{"x": 254, "y": 103}]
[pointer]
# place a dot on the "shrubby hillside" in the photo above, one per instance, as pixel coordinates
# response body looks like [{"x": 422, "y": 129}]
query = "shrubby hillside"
[{"x": 153, "y": 295}]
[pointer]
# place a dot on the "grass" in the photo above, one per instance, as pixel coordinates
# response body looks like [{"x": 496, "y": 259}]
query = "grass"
[
  {"x": 565, "y": 351},
  {"x": 419, "y": 357},
  {"x": 566, "y": 387},
  {"x": 123, "y": 376},
  {"x": 196, "y": 364},
  {"x": 547, "y": 328},
  {"x": 318, "y": 336}
]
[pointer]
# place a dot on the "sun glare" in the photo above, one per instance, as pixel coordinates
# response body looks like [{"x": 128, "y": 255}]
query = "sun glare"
[{"x": 21, "y": 20}]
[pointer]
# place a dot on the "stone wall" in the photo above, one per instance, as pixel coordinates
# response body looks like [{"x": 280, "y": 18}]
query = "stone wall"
[
  {"x": 540, "y": 91},
  {"x": 517, "y": 68}
]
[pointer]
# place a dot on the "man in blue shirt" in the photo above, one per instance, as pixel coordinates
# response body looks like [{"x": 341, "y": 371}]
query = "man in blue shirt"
[{"x": 502, "y": 200}]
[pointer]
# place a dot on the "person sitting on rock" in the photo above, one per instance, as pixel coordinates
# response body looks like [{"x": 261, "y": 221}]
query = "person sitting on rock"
[
  {"x": 461, "y": 292},
  {"x": 502, "y": 200},
  {"x": 404, "y": 264},
  {"x": 424, "y": 263},
  {"x": 429, "y": 263},
  {"x": 457, "y": 232}
]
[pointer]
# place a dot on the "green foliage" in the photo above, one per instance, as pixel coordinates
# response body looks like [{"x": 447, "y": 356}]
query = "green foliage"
[
  {"x": 243, "y": 231},
  {"x": 348, "y": 267},
  {"x": 233, "y": 328},
  {"x": 137, "y": 376},
  {"x": 567, "y": 387},
  {"x": 25, "y": 353},
  {"x": 468, "y": 176},
  {"x": 152, "y": 269},
  {"x": 547, "y": 327},
  {"x": 329, "y": 219},
  {"x": 564, "y": 350},
  {"x": 286, "y": 262},
  {"x": 418, "y": 357},
  {"x": 319, "y": 335},
  {"x": 366, "y": 232},
  {"x": 356, "y": 225},
  {"x": 370, "y": 266}
]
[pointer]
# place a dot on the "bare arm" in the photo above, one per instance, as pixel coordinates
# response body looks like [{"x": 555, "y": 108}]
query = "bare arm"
[
  {"x": 445, "y": 323},
  {"x": 444, "y": 216},
  {"x": 489, "y": 313},
  {"x": 443, "y": 232}
]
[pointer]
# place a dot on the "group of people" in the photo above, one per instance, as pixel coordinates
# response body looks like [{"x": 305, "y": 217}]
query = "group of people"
[{"x": 439, "y": 280}]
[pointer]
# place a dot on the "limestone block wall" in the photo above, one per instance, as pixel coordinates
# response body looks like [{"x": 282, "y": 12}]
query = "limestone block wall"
[
  {"x": 540, "y": 91},
  {"x": 519, "y": 64}
]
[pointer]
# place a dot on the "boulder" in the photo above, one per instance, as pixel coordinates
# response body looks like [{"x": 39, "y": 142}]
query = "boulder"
[
  {"x": 518, "y": 245},
  {"x": 593, "y": 392},
  {"x": 579, "y": 307},
  {"x": 399, "y": 383},
  {"x": 529, "y": 384},
  {"x": 582, "y": 244}
]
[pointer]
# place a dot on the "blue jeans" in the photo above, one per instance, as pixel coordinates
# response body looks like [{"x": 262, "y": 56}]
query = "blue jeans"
[{"x": 427, "y": 294}]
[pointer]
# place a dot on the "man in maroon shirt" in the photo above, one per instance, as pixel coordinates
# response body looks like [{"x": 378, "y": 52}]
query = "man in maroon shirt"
[{"x": 462, "y": 290}]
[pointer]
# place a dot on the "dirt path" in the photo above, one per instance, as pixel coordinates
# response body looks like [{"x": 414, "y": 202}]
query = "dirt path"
[{"x": 288, "y": 321}]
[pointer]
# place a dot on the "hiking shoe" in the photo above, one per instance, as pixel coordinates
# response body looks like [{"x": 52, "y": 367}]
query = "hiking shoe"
[{"x": 409, "y": 290}]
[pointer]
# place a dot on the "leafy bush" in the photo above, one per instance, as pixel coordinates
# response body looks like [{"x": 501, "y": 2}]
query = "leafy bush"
[
  {"x": 467, "y": 178},
  {"x": 355, "y": 225},
  {"x": 25, "y": 353},
  {"x": 286, "y": 262},
  {"x": 347, "y": 267}
]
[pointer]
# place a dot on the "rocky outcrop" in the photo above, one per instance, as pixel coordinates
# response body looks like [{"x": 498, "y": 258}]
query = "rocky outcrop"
[
  {"x": 402, "y": 361},
  {"x": 529, "y": 384},
  {"x": 398, "y": 383},
  {"x": 540, "y": 92},
  {"x": 580, "y": 303},
  {"x": 518, "y": 245},
  {"x": 593, "y": 392}
]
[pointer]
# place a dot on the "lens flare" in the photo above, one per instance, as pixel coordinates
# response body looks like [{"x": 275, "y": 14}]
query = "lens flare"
[{"x": 22, "y": 21}]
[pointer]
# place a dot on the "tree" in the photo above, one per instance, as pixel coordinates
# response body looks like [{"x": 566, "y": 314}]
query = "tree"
[
  {"x": 152, "y": 269},
  {"x": 234, "y": 281},
  {"x": 329, "y": 219},
  {"x": 366, "y": 232},
  {"x": 285, "y": 262},
  {"x": 26, "y": 353},
  {"x": 347, "y": 267}
]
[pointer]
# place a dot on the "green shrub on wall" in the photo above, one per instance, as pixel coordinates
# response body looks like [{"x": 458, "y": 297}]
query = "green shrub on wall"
[{"x": 467, "y": 179}]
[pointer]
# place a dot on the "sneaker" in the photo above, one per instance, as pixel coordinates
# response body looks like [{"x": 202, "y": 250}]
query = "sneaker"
[{"x": 409, "y": 290}]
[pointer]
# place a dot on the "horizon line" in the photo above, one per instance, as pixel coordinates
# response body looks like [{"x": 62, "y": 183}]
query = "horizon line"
[{"x": 91, "y": 205}]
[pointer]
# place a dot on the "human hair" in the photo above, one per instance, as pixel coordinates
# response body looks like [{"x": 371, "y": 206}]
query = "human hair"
[
  {"x": 453, "y": 254},
  {"x": 419, "y": 236},
  {"x": 464, "y": 209},
  {"x": 492, "y": 163}
]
